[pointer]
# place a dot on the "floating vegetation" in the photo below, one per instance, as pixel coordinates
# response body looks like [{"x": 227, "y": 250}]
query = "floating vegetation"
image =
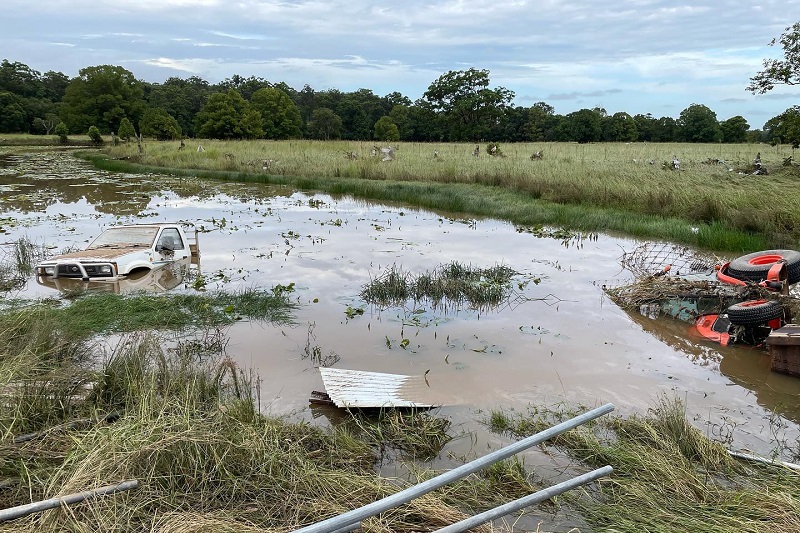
[
  {"x": 314, "y": 352},
  {"x": 453, "y": 284},
  {"x": 567, "y": 237}
]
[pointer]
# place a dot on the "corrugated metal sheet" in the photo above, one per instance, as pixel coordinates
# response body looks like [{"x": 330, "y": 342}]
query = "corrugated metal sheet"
[{"x": 357, "y": 388}]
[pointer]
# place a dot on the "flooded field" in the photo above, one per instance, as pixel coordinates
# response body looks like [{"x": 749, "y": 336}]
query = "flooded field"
[{"x": 554, "y": 338}]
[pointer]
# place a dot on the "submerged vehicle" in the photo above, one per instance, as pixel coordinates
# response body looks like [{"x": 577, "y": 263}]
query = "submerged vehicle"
[
  {"x": 740, "y": 301},
  {"x": 748, "y": 322},
  {"x": 160, "y": 279},
  {"x": 122, "y": 250},
  {"x": 751, "y": 321}
]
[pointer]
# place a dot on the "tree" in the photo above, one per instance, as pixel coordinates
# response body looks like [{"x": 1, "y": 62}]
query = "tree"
[
  {"x": 698, "y": 124},
  {"x": 183, "y": 99},
  {"x": 159, "y": 124},
  {"x": 582, "y": 126},
  {"x": 20, "y": 79},
  {"x": 785, "y": 127},
  {"x": 386, "y": 130},
  {"x": 306, "y": 102},
  {"x": 126, "y": 130},
  {"x": 280, "y": 118},
  {"x": 395, "y": 98},
  {"x": 244, "y": 86},
  {"x": 102, "y": 96},
  {"x": 734, "y": 130},
  {"x": 619, "y": 127},
  {"x": 540, "y": 117},
  {"x": 470, "y": 108},
  {"x": 324, "y": 124},
  {"x": 401, "y": 116},
  {"x": 62, "y": 131},
  {"x": 54, "y": 85},
  {"x": 359, "y": 111},
  {"x": 12, "y": 113},
  {"x": 94, "y": 135},
  {"x": 784, "y": 71},
  {"x": 666, "y": 130},
  {"x": 229, "y": 116},
  {"x": 426, "y": 124}
]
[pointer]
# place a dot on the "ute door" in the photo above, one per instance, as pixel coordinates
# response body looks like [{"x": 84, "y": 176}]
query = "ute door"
[{"x": 170, "y": 245}]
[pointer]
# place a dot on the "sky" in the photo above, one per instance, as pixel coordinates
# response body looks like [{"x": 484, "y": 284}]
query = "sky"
[{"x": 636, "y": 56}]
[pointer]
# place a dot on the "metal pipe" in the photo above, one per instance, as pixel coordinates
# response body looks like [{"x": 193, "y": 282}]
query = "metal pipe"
[
  {"x": 759, "y": 459},
  {"x": 24, "y": 510},
  {"x": 399, "y": 498},
  {"x": 516, "y": 505},
  {"x": 348, "y": 528}
]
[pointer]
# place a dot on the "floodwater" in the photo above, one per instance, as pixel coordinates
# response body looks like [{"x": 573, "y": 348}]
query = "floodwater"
[{"x": 558, "y": 340}]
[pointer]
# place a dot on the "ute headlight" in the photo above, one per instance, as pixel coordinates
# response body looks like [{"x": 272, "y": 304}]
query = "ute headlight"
[
  {"x": 105, "y": 269},
  {"x": 49, "y": 270}
]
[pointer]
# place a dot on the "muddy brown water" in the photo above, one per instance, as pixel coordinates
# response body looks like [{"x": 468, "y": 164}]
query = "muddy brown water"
[{"x": 557, "y": 342}]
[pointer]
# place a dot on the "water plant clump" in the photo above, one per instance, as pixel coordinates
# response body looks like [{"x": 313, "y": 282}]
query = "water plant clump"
[
  {"x": 17, "y": 262},
  {"x": 417, "y": 435},
  {"x": 452, "y": 284}
]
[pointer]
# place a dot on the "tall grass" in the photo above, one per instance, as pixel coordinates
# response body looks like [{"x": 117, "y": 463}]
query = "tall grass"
[{"x": 606, "y": 182}]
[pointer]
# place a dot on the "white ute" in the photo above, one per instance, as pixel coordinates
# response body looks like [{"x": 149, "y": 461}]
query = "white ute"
[{"x": 120, "y": 250}]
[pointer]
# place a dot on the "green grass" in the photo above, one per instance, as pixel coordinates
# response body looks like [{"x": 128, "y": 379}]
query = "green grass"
[
  {"x": 26, "y": 139},
  {"x": 183, "y": 421},
  {"x": 92, "y": 313},
  {"x": 597, "y": 187}
]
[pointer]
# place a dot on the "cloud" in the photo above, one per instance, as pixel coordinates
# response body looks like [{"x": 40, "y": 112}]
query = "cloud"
[
  {"x": 578, "y": 95},
  {"x": 657, "y": 54}
]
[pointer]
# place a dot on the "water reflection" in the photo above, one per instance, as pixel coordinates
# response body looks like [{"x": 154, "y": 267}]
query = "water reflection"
[
  {"x": 32, "y": 184},
  {"x": 747, "y": 366}
]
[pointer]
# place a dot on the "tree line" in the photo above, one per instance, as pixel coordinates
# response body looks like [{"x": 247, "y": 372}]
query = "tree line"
[{"x": 457, "y": 106}]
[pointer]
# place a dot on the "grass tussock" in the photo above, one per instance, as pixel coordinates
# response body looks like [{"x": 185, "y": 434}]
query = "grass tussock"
[
  {"x": 453, "y": 284},
  {"x": 592, "y": 187},
  {"x": 667, "y": 475}
]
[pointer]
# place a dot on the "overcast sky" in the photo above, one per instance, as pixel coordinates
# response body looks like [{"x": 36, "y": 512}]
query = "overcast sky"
[{"x": 637, "y": 56}]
